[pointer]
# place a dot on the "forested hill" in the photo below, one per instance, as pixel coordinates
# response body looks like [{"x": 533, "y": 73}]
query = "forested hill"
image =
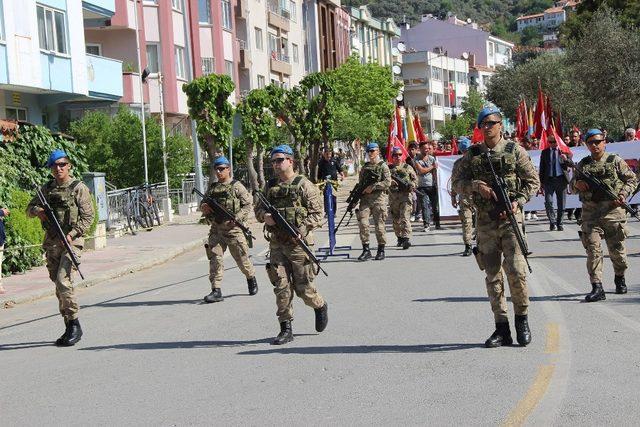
[{"x": 493, "y": 12}]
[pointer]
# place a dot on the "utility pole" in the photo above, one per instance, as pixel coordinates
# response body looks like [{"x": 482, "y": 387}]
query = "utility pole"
[{"x": 144, "y": 130}]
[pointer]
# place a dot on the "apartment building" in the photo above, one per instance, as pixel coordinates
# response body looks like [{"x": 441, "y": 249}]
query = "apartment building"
[
  {"x": 435, "y": 84},
  {"x": 327, "y": 35},
  {"x": 44, "y": 67},
  {"x": 550, "y": 19},
  {"x": 372, "y": 39}
]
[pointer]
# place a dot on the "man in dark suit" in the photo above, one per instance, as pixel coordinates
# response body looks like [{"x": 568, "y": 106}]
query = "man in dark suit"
[{"x": 554, "y": 178}]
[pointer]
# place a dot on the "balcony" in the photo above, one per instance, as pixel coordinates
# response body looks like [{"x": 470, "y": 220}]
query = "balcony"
[
  {"x": 245, "y": 55},
  {"x": 104, "y": 77},
  {"x": 130, "y": 88},
  {"x": 280, "y": 63},
  {"x": 279, "y": 17},
  {"x": 96, "y": 9},
  {"x": 242, "y": 9},
  {"x": 56, "y": 72},
  {"x": 4, "y": 70}
]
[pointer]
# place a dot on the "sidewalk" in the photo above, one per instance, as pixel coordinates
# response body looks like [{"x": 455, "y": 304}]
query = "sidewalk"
[{"x": 122, "y": 256}]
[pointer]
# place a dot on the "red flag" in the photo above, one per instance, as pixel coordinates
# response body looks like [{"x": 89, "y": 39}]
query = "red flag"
[
  {"x": 454, "y": 146},
  {"x": 395, "y": 135},
  {"x": 543, "y": 143},
  {"x": 417, "y": 125},
  {"x": 478, "y": 136},
  {"x": 399, "y": 126},
  {"x": 452, "y": 95},
  {"x": 561, "y": 145},
  {"x": 540, "y": 119}
]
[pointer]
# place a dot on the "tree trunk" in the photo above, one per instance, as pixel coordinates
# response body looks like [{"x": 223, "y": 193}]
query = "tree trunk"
[
  {"x": 624, "y": 121},
  {"x": 251, "y": 170},
  {"x": 260, "y": 153},
  {"x": 314, "y": 155},
  {"x": 297, "y": 152},
  {"x": 212, "y": 150}
]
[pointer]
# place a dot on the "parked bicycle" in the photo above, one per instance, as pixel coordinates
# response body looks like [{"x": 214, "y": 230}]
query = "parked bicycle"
[{"x": 142, "y": 209}]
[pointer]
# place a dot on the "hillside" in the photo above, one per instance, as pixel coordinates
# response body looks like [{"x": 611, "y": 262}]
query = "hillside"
[{"x": 494, "y": 12}]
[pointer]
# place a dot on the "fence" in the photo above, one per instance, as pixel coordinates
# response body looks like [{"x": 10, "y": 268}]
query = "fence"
[{"x": 119, "y": 201}]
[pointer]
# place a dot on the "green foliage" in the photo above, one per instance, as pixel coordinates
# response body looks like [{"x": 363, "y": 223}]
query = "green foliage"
[
  {"x": 531, "y": 36},
  {"x": 21, "y": 232},
  {"x": 578, "y": 23},
  {"x": 464, "y": 123},
  {"x": 258, "y": 123},
  {"x": 114, "y": 145},
  {"x": 363, "y": 94},
  {"x": 207, "y": 98}
]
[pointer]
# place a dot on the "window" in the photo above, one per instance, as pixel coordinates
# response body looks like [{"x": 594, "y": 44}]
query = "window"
[
  {"x": 461, "y": 77},
  {"x": 208, "y": 66},
  {"x": 228, "y": 68},
  {"x": 179, "y": 52},
  {"x": 438, "y": 99},
  {"x": 226, "y": 14},
  {"x": 294, "y": 48},
  {"x": 452, "y": 76},
  {"x": 261, "y": 81},
  {"x": 52, "y": 30},
  {"x": 491, "y": 50},
  {"x": 293, "y": 11},
  {"x": 204, "y": 11},
  {"x": 153, "y": 60},
  {"x": 177, "y": 5},
  {"x": 436, "y": 73},
  {"x": 16, "y": 113},
  {"x": 259, "y": 40},
  {"x": 93, "y": 49}
]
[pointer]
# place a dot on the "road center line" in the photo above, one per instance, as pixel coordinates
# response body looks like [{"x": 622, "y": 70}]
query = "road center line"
[
  {"x": 518, "y": 416},
  {"x": 553, "y": 339}
]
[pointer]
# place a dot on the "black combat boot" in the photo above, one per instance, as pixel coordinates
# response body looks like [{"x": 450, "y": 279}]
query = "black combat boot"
[
  {"x": 252, "y": 284},
  {"x": 380, "y": 253},
  {"x": 285, "y": 334},
  {"x": 73, "y": 335},
  {"x": 406, "y": 244},
  {"x": 322, "y": 317},
  {"x": 523, "y": 333},
  {"x": 597, "y": 293},
  {"x": 60, "y": 340},
  {"x": 366, "y": 253},
  {"x": 467, "y": 250},
  {"x": 621, "y": 286},
  {"x": 501, "y": 336},
  {"x": 214, "y": 296},
  {"x": 400, "y": 241}
]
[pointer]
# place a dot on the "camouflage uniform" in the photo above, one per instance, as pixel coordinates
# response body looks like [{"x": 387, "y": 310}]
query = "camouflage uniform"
[
  {"x": 289, "y": 268},
  {"x": 374, "y": 203},
  {"x": 600, "y": 218},
  {"x": 496, "y": 239},
  {"x": 465, "y": 208},
  {"x": 401, "y": 201},
  {"x": 71, "y": 203},
  {"x": 237, "y": 200}
]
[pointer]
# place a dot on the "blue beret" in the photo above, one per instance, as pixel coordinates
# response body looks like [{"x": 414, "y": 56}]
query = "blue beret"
[
  {"x": 464, "y": 144},
  {"x": 396, "y": 149},
  {"x": 592, "y": 132},
  {"x": 373, "y": 146},
  {"x": 487, "y": 112},
  {"x": 284, "y": 149},
  {"x": 222, "y": 160},
  {"x": 56, "y": 155}
]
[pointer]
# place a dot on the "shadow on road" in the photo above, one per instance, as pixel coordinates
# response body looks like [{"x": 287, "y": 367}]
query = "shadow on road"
[
  {"x": 365, "y": 349},
  {"x": 183, "y": 344},
  {"x": 25, "y": 345},
  {"x": 567, "y": 297},
  {"x": 423, "y": 256}
]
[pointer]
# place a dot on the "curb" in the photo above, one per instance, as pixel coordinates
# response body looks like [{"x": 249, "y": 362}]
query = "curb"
[{"x": 113, "y": 274}]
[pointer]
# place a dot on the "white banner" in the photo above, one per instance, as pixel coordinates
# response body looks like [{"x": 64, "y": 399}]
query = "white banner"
[{"x": 626, "y": 150}]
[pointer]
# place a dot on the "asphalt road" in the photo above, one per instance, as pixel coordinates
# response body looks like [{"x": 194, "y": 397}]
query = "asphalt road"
[{"x": 403, "y": 346}]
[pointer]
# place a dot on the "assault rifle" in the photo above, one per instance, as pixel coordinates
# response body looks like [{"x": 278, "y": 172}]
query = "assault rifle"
[
  {"x": 221, "y": 211},
  {"x": 284, "y": 225},
  {"x": 352, "y": 201},
  {"x": 405, "y": 184},
  {"x": 596, "y": 184},
  {"x": 499, "y": 187},
  {"x": 53, "y": 222}
]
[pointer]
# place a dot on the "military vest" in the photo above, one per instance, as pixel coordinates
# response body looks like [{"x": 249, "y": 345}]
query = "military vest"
[
  {"x": 607, "y": 173},
  {"x": 287, "y": 198},
  {"x": 504, "y": 163},
  {"x": 372, "y": 173},
  {"x": 63, "y": 203},
  {"x": 225, "y": 194},
  {"x": 402, "y": 172}
]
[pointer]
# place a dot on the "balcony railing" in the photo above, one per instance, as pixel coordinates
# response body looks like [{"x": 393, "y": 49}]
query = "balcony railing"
[
  {"x": 280, "y": 11},
  {"x": 279, "y": 56}
]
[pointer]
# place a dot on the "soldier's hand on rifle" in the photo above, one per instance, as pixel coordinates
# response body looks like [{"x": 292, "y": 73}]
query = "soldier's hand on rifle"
[
  {"x": 206, "y": 209},
  {"x": 268, "y": 219},
  {"x": 454, "y": 201},
  {"x": 368, "y": 190},
  {"x": 40, "y": 213},
  {"x": 620, "y": 201},
  {"x": 69, "y": 239},
  {"x": 486, "y": 191},
  {"x": 581, "y": 185},
  {"x": 514, "y": 209}
]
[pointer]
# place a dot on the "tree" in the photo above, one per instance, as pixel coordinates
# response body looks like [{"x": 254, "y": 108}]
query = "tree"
[
  {"x": 464, "y": 123},
  {"x": 258, "y": 130},
  {"x": 208, "y": 101},
  {"x": 578, "y": 24},
  {"x": 531, "y": 36}
]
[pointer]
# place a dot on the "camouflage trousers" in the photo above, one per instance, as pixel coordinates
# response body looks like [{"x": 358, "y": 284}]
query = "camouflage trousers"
[
  {"x": 60, "y": 268},
  {"x": 1, "y": 257},
  {"x": 373, "y": 205},
  {"x": 291, "y": 271},
  {"x": 614, "y": 232},
  {"x": 219, "y": 241},
  {"x": 401, "y": 206},
  {"x": 466, "y": 218},
  {"x": 500, "y": 252}
]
